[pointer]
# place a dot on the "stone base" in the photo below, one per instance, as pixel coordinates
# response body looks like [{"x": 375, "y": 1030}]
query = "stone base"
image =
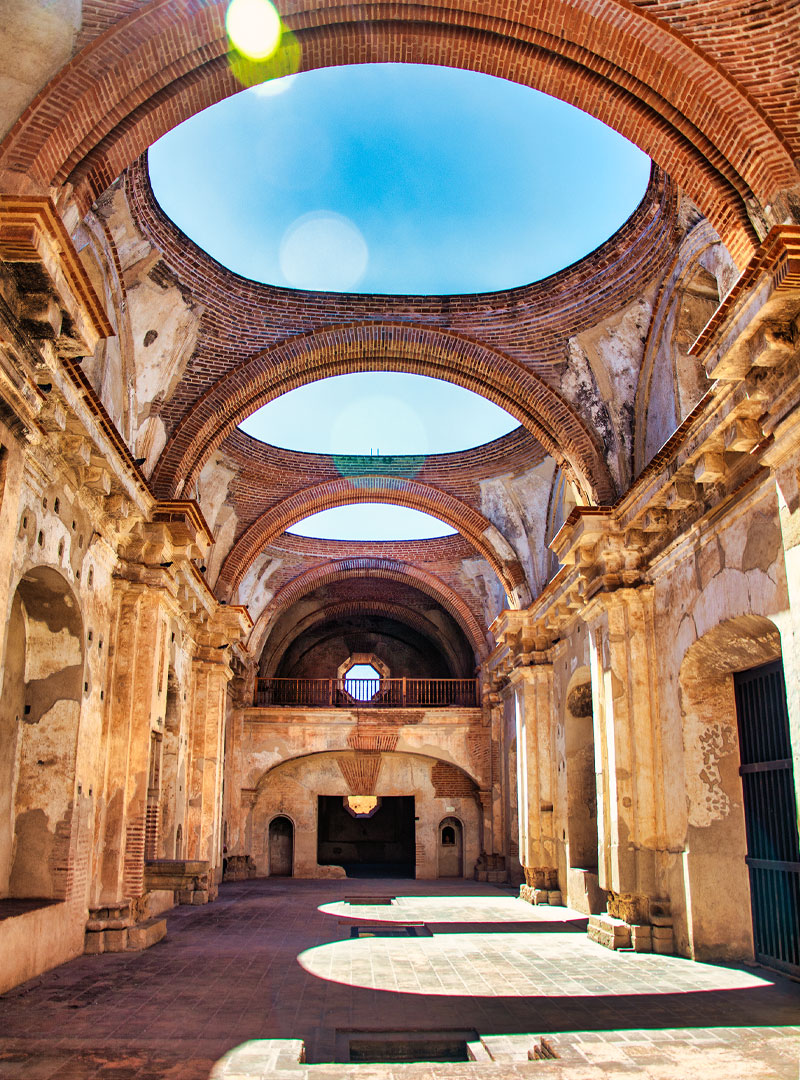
[
  {"x": 239, "y": 868},
  {"x": 491, "y": 867},
  {"x": 618, "y": 934},
  {"x": 609, "y": 932},
  {"x": 583, "y": 891},
  {"x": 540, "y": 896},
  {"x": 125, "y": 939},
  {"x": 145, "y": 934}
]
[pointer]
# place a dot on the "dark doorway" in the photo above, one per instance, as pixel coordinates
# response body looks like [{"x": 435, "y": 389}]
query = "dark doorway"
[
  {"x": 379, "y": 845},
  {"x": 281, "y": 847},
  {"x": 770, "y": 815}
]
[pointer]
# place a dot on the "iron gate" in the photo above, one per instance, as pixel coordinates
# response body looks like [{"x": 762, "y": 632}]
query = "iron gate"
[{"x": 770, "y": 814}]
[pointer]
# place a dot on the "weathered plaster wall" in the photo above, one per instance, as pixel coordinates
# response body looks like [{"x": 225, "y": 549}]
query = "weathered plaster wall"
[
  {"x": 156, "y": 337},
  {"x": 734, "y": 572},
  {"x": 36, "y": 39}
]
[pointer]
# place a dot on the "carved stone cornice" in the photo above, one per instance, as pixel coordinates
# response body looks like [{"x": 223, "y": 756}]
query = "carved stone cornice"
[
  {"x": 753, "y": 326},
  {"x": 51, "y": 279}
]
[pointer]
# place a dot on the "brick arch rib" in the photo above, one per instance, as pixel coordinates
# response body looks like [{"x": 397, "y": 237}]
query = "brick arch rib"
[
  {"x": 345, "y": 749},
  {"x": 394, "y": 490},
  {"x": 382, "y": 346},
  {"x": 382, "y": 569},
  {"x": 167, "y": 60}
]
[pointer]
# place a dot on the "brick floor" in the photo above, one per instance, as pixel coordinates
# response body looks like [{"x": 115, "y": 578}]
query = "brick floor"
[{"x": 274, "y": 960}]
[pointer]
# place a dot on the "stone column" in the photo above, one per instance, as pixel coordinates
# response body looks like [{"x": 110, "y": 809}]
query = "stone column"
[
  {"x": 532, "y": 687},
  {"x": 498, "y": 832},
  {"x": 136, "y": 688},
  {"x": 207, "y": 740},
  {"x": 628, "y": 754}
]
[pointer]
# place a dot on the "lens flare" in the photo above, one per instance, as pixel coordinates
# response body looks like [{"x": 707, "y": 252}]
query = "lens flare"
[
  {"x": 285, "y": 60},
  {"x": 323, "y": 250},
  {"x": 254, "y": 28}
]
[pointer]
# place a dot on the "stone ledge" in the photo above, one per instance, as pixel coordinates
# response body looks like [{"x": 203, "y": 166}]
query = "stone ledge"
[{"x": 124, "y": 939}]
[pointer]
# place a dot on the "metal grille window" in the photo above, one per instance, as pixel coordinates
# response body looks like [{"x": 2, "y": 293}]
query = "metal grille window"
[{"x": 770, "y": 810}]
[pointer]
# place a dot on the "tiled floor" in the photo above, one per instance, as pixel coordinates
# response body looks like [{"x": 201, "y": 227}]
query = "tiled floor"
[{"x": 274, "y": 960}]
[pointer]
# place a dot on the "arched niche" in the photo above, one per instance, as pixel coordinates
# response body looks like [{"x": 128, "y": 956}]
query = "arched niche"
[
  {"x": 580, "y": 766},
  {"x": 451, "y": 848},
  {"x": 39, "y": 720},
  {"x": 172, "y": 794}
]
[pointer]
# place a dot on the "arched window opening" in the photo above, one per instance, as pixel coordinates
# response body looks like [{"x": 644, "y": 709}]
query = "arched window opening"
[{"x": 582, "y": 837}]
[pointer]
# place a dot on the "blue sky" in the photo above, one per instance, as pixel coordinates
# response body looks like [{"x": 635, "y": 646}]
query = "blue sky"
[
  {"x": 379, "y": 412},
  {"x": 455, "y": 181},
  {"x": 393, "y": 178}
]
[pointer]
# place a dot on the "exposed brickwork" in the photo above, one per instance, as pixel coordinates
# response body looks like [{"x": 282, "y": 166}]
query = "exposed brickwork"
[
  {"x": 390, "y": 571},
  {"x": 370, "y": 738},
  {"x": 382, "y": 347},
  {"x": 450, "y": 782},
  {"x": 361, "y": 773},
  {"x": 640, "y": 74},
  {"x": 266, "y": 475},
  {"x": 445, "y": 548},
  {"x": 395, "y": 490},
  {"x": 504, "y": 345},
  {"x": 334, "y": 612}
]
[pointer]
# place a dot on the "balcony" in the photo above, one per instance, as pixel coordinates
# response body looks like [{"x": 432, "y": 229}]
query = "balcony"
[{"x": 368, "y": 693}]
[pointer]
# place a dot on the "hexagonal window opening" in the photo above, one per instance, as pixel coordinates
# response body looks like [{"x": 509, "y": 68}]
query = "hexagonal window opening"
[
  {"x": 362, "y": 682},
  {"x": 362, "y": 675}
]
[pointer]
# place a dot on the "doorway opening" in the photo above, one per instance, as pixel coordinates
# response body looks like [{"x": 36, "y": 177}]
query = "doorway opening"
[
  {"x": 451, "y": 848},
  {"x": 380, "y": 845},
  {"x": 281, "y": 847}
]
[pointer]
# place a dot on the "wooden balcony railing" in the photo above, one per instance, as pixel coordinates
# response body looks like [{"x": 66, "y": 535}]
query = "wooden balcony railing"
[{"x": 368, "y": 693}]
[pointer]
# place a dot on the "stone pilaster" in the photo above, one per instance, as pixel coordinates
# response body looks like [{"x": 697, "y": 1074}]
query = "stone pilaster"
[
  {"x": 134, "y": 699},
  {"x": 628, "y": 755},
  {"x": 532, "y": 689},
  {"x": 211, "y": 674}
]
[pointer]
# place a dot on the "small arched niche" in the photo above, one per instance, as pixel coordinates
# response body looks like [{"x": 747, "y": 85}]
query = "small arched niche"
[
  {"x": 581, "y": 780},
  {"x": 39, "y": 719},
  {"x": 451, "y": 848}
]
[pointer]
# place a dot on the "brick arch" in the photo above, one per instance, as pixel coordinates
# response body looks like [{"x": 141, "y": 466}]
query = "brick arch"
[
  {"x": 345, "y": 608},
  {"x": 385, "y": 346},
  {"x": 382, "y": 569},
  {"x": 396, "y": 491},
  {"x": 387, "y": 743},
  {"x": 166, "y": 61}
]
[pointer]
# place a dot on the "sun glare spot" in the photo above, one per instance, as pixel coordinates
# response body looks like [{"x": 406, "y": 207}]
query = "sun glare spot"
[
  {"x": 323, "y": 251},
  {"x": 254, "y": 28},
  {"x": 274, "y": 87}
]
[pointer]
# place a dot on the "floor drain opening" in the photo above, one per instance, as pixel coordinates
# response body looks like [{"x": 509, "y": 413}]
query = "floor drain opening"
[
  {"x": 542, "y": 1051},
  {"x": 408, "y": 1047},
  {"x": 393, "y": 930},
  {"x": 373, "y": 901}
]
